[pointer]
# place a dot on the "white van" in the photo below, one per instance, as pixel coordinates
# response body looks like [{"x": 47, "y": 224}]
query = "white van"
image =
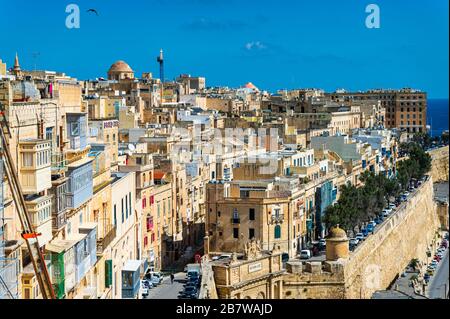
[{"x": 305, "y": 254}]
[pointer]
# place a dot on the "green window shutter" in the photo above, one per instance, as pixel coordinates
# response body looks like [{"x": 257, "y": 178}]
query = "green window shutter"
[
  {"x": 108, "y": 273},
  {"x": 277, "y": 231}
]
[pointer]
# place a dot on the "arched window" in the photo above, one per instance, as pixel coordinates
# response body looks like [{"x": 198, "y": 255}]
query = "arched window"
[{"x": 277, "y": 231}]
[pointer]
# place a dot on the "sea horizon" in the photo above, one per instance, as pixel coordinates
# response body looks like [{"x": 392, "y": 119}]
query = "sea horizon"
[{"x": 437, "y": 115}]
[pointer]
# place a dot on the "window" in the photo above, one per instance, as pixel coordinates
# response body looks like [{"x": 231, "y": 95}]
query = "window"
[
  {"x": 236, "y": 233},
  {"x": 276, "y": 212},
  {"x": 277, "y": 232},
  {"x": 251, "y": 233},
  {"x": 218, "y": 213},
  {"x": 115, "y": 216},
  {"x": 27, "y": 293},
  {"x": 74, "y": 129},
  {"x": 251, "y": 214},
  {"x": 129, "y": 201},
  {"x": 27, "y": 159},
  {"x": 123, "y": 217},
  {"x": 235, "y": 213},
  {"x": 126, "y": 206}
]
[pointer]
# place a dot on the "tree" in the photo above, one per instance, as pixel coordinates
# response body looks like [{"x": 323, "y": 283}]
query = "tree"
[
  {"x": 358, "y": 205},
  {"x": 422, "y": 139},
  {"x": 444, "y": 137}
]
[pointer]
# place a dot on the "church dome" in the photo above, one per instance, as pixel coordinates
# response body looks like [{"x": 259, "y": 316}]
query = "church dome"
[
  {"x": 120, "y": 66},
  {"x": 120, "y": 70}
]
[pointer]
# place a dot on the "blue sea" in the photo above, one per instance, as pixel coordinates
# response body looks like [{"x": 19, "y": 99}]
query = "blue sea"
[{"x": 437, "y": 115}]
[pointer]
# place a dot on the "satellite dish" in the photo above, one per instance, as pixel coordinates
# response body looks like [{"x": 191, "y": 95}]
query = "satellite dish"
[{"x": 131, "y": 147}]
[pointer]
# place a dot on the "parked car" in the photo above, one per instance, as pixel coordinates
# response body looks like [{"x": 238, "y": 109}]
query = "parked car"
[
  {"x": 386, "y": 213},
  {"x": 193, "y": 279},
  {"x": 305, "y": 254},
  {"x": 144, "y": 291},
  {"x": 359, "y": 237},
  {"x": 322, "y": 244},
  {"x": 284, "y": 257},
  {"x": 193, "y": 275},
  {"x": 406, "y": 193},
  {"x": 190, "y": 292},
  {"x": 147, "y": 283},
  {"x": 190, "y": 284},
  {"x": 392, "y": 206},
  {"x": 365, "y": 232},
  {"x": 354, "y": 241},
  {"x": 370, "y": 228},
  {"x": 223, "y": 256},
  {"x": 156, "y": 277}
]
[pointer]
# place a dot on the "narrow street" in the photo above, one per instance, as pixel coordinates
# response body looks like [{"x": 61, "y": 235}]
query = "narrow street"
[
  {"x": 438, "y": 287},
  {"x": 166, "y": 290}
]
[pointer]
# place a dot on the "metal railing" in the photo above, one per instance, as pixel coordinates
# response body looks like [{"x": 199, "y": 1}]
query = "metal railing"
[
  {"x": 277, "y": 218},
  {"x": 104, "y": 242},
  {"x": 58, "y": 161}
]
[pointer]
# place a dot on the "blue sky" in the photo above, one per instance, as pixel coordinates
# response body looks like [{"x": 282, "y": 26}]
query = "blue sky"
[{"x": 274, "y": 44}]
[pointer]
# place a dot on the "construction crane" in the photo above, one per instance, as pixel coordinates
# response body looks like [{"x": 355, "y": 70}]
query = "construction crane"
[{"x": 28, "y": 234}]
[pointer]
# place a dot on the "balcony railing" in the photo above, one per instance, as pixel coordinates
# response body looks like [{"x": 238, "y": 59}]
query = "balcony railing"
[
  {"x": 277, "y": 218},
  {"x": 58, "y": 162},
  {"x": 235, "y": 220},
  {"x": 59, "y": 220},
  {"x": 103, "y": 243}
]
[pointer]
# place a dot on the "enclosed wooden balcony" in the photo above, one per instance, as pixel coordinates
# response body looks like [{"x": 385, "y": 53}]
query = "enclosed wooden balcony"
[{"x": 34, "y": 165}]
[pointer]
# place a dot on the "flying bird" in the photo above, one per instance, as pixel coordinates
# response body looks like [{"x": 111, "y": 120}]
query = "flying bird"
[{"x": 93, "y": 10}]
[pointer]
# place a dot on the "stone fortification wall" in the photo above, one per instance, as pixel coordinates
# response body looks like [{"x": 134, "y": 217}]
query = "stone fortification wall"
[
  {"x": 439, "y": 166},
  {"x": 376, "y": 262}
]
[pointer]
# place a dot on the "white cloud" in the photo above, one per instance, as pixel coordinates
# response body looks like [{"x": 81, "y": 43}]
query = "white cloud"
[{"x": 255, "y": 45}]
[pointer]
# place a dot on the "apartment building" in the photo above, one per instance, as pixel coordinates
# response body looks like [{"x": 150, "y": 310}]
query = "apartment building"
[{"x": 405, "y": 109}]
